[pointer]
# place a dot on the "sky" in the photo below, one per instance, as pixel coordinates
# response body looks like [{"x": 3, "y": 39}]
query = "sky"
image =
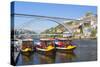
[{"x": 45, "y": 9}]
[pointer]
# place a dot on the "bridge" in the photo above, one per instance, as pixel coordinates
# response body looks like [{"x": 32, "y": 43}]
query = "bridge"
[{"x": 37, "y": 18}]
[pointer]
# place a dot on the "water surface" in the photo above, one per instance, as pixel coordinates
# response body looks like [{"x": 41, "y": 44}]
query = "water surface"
[{"x": 86, "y": 51}]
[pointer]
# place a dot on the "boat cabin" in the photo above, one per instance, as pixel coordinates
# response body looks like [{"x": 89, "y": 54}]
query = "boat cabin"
[
  {"x": 62, "y": 42},
  {"x": 44, "y": 43},
  {"x": 27, "y": 44}
]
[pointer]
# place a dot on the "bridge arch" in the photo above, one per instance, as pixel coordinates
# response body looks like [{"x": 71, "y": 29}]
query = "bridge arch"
[
  {"x": 55, "y": 21},
  {"x": 42, "y": 18}
]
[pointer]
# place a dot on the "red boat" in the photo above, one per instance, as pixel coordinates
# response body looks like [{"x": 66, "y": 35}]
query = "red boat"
[{"x": 64, "y": 45}]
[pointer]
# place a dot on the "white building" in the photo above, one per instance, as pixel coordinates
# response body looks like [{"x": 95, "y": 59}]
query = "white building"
[
  {"x": 87, "y": 31},
  {"x": 67, "y": 34}
]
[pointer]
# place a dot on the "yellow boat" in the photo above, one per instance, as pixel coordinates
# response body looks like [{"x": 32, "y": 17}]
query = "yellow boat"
[
  {"x": 46, "y": 47},
  {"x": 27, "y": 46},
  {"x": 65, "y": 45},
  {"x": 49, "y": 48},
  {"x": 26, "y": 50},
  {"x": 70, "y": 47}
]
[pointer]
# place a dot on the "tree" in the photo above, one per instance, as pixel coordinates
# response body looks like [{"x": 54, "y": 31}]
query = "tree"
[{"x": 89, "y": 13}]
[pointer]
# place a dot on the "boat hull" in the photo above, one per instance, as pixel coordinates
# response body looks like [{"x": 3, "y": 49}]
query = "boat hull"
[
  {"x": 68, "y": 50},
  {"x": 27, "y": 52},
  {"x": 50, "y": 52}
]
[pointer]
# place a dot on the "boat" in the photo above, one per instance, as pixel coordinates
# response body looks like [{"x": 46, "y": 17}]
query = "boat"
[
  {"x": 64, "y": 45},
  {"x": 27, "y": 46},
  {"x": 45, "y": 46}
]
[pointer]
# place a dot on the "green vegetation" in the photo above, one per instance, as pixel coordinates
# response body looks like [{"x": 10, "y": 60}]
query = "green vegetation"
[
  {"x": 94, "y": 32},
  {"x": 89, "y": 13},
  {"x": 70, "y": 23}
]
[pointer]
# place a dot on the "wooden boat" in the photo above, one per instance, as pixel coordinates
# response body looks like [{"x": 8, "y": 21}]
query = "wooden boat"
[
  {"x": 70, "y": 47},
  {"x": 64, "y": 45},
  {"x": 27, "y": 46},
  {"x": 26, "y": 50},
  {"x": 46, "y": 47}
]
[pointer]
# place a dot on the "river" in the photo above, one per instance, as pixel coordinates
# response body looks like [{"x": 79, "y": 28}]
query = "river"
[{"x": 86, "y": 51}]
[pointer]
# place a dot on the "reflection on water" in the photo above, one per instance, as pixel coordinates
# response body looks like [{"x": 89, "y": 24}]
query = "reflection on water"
[
  {"x": 39, "y": 58},
  {"x": 64, "y": 57},
  {"x": 44, "y": 59},
  {"x": 26, "y": 59},
  {"x": 86, "y": 51}
]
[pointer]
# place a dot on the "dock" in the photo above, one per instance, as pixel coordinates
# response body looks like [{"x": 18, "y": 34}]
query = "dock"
[{"x": 16, "y": 56}]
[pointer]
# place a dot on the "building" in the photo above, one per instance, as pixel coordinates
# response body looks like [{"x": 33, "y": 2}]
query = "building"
[{"x": 67, "y": 34}]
